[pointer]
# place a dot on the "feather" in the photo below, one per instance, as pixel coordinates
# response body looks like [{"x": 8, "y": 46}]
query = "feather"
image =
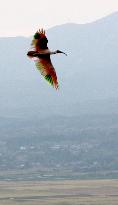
[{"x": 44, "y": 65}]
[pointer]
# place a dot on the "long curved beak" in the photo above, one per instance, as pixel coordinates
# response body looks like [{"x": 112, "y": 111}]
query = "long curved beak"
[{"x": 58, "y": 51}]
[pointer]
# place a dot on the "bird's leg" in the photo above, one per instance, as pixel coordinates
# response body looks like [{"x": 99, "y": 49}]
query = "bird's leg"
[{"x": 31, "y": 54}]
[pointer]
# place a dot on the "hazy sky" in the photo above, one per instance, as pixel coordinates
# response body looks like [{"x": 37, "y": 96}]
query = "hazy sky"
[{"x": 23, "y": 17}]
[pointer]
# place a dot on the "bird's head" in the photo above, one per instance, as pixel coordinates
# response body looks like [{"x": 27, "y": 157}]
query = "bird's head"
[{"x": 58, "y": 51}]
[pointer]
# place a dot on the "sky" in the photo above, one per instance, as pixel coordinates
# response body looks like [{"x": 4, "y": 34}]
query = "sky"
[{"x": 24, "y": 17}]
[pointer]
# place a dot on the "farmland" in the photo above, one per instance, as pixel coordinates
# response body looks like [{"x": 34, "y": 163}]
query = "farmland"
[{"x": 59, "y": 192}]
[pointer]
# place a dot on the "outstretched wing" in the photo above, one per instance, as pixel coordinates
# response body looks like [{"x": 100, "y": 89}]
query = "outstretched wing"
[
  {"x": 44, "y": 65},
  {"x": 39, "y": 40}
]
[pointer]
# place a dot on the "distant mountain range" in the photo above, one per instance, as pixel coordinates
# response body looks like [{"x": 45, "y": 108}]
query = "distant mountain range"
[
  {"x": 31, "y": 109},
  {"x": 87, "y": 75}
]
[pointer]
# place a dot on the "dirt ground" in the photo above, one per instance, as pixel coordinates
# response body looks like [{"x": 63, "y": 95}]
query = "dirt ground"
[{"x": 65, "y": 192}]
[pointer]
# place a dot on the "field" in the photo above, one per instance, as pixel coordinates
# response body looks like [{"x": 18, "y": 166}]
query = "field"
[{"x": 65, "y": 192}]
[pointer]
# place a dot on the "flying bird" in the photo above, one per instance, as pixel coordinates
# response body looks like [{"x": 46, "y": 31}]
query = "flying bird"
[{"x": 40, "y": 53}]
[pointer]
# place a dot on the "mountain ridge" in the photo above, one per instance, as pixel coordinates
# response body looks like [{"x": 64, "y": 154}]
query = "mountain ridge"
[
  {"x": 73, "y": 129},
  {"x": 86, "y": 72}
]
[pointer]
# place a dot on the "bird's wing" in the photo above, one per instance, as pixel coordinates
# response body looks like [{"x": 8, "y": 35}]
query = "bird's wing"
[
  {"x": 39, "y": 40},
  {"x": 44, "y": 65}
]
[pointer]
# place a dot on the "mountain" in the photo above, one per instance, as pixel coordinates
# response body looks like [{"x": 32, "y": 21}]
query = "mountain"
[
  {"x": 74, "y": 128},
  {"x": 88, "y": 74}
]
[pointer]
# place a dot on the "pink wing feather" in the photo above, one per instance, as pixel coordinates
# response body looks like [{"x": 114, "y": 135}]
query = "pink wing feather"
[{"x": 44, "y": 65}]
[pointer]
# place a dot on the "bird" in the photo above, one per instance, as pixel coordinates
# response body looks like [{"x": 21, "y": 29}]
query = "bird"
[{"x": 40, "y": 53}]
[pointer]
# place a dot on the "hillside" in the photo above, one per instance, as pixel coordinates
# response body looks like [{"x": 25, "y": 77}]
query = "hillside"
[{"x": 73, "y": 129}]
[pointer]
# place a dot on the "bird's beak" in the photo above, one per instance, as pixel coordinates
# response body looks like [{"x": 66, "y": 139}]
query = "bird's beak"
[{"x": 58, "y": 51}]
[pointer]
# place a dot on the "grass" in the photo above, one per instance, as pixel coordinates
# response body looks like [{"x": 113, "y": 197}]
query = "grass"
[{"x": 65, "y": 192}]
